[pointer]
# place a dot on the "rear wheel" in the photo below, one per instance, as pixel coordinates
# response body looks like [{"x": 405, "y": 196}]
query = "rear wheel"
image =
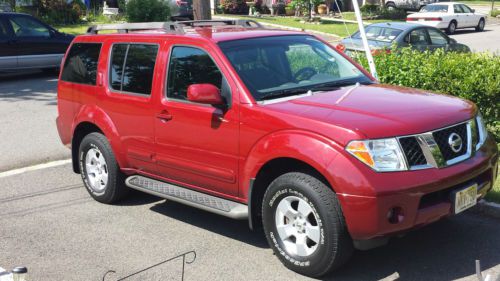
[
  {"x": 390, "y": 6},
  {"x": 304, "y": 225},
  {"x": 480, "y": 25},
  {"x": 99, "y": 170},
  {"x": 452, "y": 27}
]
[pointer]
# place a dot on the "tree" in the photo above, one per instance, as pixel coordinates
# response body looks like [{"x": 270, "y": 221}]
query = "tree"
[{"x": 201, "y": 10}]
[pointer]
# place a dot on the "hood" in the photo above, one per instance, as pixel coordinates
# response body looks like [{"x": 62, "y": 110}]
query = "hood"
[{"x": 378, "y": 111}]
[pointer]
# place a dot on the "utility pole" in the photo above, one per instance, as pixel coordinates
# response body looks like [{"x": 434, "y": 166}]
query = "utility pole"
[{"x": 201, "y": 10}]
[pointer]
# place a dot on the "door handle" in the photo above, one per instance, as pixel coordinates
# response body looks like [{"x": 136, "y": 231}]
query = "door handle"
[{"x": 164, "y": 116}]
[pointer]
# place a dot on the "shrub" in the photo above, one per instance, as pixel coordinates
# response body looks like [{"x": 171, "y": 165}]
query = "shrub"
[
  {"x": 369, "y": 9},
  {"x": 57, "y": 12},
  {"x": 234, "y": 7},
  {"x": 382, "y": 12},
  {"x": 495, "y": 13},
  {"x": 147, "y": 10},
  {"x": 472, "y": 76}
]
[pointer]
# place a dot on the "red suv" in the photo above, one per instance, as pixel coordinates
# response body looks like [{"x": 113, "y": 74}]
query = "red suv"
[{"x": 272, "y": 126}]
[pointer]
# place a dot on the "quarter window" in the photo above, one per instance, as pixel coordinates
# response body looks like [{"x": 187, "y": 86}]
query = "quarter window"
[
  {"x": 81, "y": 63},
  {"x": 189, "y": 66},
  {"x": 132, "y": 68}
]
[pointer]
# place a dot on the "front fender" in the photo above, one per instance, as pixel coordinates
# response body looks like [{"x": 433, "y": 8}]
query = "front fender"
[
  {"x": 310, "y": 148},
  {"x": 95, "y": 115}
]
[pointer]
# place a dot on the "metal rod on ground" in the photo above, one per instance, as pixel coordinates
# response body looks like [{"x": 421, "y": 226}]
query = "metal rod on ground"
[{"x": 362, "y": 32}]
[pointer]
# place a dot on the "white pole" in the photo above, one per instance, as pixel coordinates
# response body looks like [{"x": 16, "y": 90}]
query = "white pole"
[{"x": 362, "y": 32}]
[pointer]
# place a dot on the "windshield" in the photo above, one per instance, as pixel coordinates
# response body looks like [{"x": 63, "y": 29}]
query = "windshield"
[
  {"x": 435, "y": 8},
  {"x": 279, "y": 66},
  {"x": 380, "y": 33}
]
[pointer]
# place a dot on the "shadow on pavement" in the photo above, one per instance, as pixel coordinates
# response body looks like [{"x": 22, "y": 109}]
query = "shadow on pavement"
[
  {"x": 446, "y": 250},
  {"x": 469, "y": 31},
  {"x": 39, "y": 86},
  {"x": 234, "y": 229}
]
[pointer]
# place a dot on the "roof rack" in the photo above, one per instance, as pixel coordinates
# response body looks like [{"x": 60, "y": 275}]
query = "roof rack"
[{"x": 171, "y": 27}]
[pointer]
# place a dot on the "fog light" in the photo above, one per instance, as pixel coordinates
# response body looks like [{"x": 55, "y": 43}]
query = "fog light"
[{"x": 395, "y": 215}]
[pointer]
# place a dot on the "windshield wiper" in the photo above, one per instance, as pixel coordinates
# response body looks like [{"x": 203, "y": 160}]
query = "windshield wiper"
[{"x": 284, "y": 93}]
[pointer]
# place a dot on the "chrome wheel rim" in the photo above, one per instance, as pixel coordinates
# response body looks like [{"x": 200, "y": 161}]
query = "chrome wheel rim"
[
  {"x": 96, "y": 169},
  {"x": 297, "y": 226}
]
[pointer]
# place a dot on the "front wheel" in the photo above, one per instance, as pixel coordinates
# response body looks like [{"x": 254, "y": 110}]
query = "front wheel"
[
  {"x": 480, "y": 25},
  {"x": 304, "y": 225},
  {"x": 99, "y": 170}
]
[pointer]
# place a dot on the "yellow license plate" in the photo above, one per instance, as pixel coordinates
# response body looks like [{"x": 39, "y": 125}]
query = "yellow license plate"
[{"x": 465, "y": 198}]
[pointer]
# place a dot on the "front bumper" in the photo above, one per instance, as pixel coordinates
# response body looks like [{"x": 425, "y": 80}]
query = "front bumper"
[{"x": 423, "y": 196}]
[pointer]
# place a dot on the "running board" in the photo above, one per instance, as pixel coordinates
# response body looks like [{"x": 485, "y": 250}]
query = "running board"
[{"x": 189, "y": 197}]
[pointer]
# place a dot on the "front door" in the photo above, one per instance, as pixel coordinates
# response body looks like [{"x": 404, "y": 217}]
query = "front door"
[
  {"x": 8, "y": 53},
  {"x": 197, "y": 144},
  {"x": 37, "y": 45}
]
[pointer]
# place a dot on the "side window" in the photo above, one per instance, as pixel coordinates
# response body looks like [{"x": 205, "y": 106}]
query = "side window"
[
  {"x": 457, "y": 9},
  {"x": 465, "y": 9},
  {"x": 132, "y": 68},
  {"x": 27, "y": 27},
  {"x": 418, "y": 37},
  {"x": 81, "y": 63},
  {"x": 4, "y": 31},
  {"x": 189, "y": 66},
  {"x": 437, "y": 38}
]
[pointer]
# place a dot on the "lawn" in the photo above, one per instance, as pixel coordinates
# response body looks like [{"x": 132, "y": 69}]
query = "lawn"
[{"x": 74, "y": 29}]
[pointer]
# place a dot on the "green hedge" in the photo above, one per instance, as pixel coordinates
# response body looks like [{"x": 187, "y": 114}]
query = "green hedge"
[
  {"x": 472, "y": 76},
  {"x": 148, "y": 10}
]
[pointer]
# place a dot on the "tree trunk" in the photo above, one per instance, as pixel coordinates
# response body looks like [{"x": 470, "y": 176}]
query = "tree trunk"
[{"x": 201, "y": 10}]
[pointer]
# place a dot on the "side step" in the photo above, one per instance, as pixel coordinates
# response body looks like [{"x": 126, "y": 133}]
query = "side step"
[{"x": 189, "y": 197}]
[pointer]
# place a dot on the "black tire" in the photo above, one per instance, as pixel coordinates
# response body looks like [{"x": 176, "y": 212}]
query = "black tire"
[
  {"x": 390, "y": 6},
  {"x": 334, "y": 247},
  {"x": 114, "y": 189},
  {"x": 452, "y": 27},
  {"x": 480, "y": 25}
]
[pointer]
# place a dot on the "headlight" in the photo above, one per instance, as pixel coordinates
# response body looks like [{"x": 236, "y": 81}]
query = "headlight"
[
  {"x": 482, "y": 131},
  {"x": 382, "y": 155}
]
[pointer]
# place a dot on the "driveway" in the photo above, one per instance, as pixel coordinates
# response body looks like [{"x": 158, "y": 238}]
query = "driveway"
[{"x": 28, "y": 109}]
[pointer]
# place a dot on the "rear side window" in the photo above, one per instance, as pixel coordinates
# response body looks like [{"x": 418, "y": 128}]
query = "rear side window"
[
  {"x": 132, "y": 68},
  {"x": 81, "y": 63}
]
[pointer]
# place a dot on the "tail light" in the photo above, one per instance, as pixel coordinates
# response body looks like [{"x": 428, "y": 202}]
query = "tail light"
[
  {"x": 340, "y": 47},
  {"x": 425, "y": 19},
  {"x": 433, "y": 19},
  {"x": 411, "y": 19}
]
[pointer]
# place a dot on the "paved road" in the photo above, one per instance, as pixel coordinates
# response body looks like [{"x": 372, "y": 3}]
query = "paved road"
[
  {"x": 28, "y": 108},
  {"x": 488, "y": 40},
  {"x": 55, "y": 229}
]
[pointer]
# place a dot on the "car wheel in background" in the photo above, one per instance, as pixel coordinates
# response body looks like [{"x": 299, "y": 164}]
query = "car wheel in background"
[
  {"x": 452, "y": 27},
  {"x": 304, "y": 224},
  {"x": 99, "y": 170},
  {"x": 480, "y": 25},
  {"x": 390, "y": 6}
]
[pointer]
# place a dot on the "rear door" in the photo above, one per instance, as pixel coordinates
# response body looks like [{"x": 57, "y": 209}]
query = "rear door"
[
  {"x": 8, "y": 53},
  {"x": 36, "y": 43},
  {"x": 128, "y": 98}
]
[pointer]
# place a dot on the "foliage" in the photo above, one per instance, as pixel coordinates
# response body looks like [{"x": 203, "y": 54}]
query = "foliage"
[
  {"x": 495, "y": 13},
  {"x": 303, "y": 5},
  {"x": 370, "y": 10},
  {"x": 472, "y": 76},
  {"x": 148, "y": 10},
  {"x": 238, "y": 7},
  {"x": 60, "y": 11}
]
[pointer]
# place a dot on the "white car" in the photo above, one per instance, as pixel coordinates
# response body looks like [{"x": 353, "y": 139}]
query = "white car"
[{"x": 449, "y": 16}]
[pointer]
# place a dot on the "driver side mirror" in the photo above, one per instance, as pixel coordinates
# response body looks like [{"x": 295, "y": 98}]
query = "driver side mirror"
[
  {"x": 453, "y": 41},
  {"x": 204, "y": 93},
  {"x": 473, "y": 10}
]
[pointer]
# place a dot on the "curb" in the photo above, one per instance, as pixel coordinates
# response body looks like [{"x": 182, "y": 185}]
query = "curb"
[{"x": 488, "y": 208}]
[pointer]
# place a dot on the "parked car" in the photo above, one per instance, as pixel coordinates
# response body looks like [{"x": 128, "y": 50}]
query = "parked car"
[
  {"x": 449, "y": 16},
  {"x": 384, "y": 36},
  {"x": 27, "y": 43},
  {"x": 272, "y": 126},
  {"x": 408, "y": 5},
  {"x": 181, "y": 9}
]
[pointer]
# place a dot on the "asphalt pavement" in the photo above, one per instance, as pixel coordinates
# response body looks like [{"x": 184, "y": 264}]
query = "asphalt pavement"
[
  {"x": 486, "y": 41},
  {"x": 28, "y": 109}
]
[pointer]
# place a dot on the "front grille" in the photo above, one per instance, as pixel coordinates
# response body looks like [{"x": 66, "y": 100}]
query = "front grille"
[
  {"x": 412, "y": 151},
  {"x": 441, "y": 137}
]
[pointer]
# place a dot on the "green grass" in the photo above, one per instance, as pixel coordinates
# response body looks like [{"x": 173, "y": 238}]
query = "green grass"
[
  {"x": 74, "y": 29},
  {"x": 494, "y": 194}
]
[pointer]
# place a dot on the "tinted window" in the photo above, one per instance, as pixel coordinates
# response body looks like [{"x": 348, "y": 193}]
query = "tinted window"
[
  {"x": 4, "y": 32},
  {"x": 136, "y": 74},
  {"x": 379, "y": 33},
  {"x": 81, "y": 63},
  {"x": 435, "y": 8},
  {"x": 437, "y": 38},
  {"x": 28, "y": 27},
  {"x": 418, "y": 37},
  {"x": 190, "y": 66},
  {"x": 457, "y": 9}
]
